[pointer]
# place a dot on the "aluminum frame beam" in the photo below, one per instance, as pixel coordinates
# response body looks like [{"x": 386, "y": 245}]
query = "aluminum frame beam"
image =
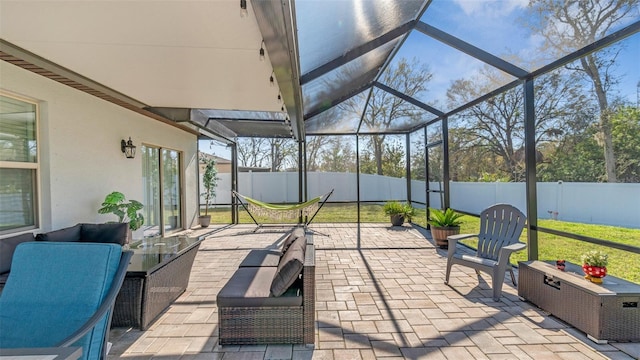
[
  {"x": 408, "y": 99},
  {"x": 471, "y": 50},
  {"x": 357, "y": 52}
]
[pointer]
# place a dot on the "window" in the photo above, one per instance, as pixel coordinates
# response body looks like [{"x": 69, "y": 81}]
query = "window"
[{"x": 18, "y": 164}]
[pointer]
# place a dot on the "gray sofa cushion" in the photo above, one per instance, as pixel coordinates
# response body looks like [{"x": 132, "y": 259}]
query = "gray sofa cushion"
[
  {"x": 116, "y": 233},
  {"x": 3, "y": 280},
  {"x": 8, "y": 246},
  {"x": 289, "y": 268},
  {"x": 261, "y": 257},
  {"x": 69, "y": 234},
  {"x": 250, "y": 287},
  {"x": 295, "y": 234}
]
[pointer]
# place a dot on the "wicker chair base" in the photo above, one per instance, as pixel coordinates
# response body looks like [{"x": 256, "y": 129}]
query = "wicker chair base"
[
  {"x": 261, "y": 325},
  {"x": 127, "y": 309}
]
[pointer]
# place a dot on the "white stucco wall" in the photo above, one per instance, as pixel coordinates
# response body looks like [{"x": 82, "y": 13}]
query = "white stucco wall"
[{"x": 80, "y": 156}]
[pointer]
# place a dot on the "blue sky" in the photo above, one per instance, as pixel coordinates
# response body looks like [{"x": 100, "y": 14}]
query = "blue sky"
[
  {"x": 496, "y": 26},
  {"x": 214, "y": 147}
]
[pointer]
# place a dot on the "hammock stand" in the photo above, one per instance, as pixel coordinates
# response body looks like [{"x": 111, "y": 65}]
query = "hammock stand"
[{"x": 307, "y": 210}]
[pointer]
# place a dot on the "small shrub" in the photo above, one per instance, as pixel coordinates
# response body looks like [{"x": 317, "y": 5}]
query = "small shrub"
[
  {"x": 397, "y": 208},
  {"x": 447, "y": 218},
  {"x": 595, "y": 258}
]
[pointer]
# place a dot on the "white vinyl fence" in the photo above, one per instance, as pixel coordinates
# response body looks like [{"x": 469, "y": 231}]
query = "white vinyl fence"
[{"x": 593, "y": 203}]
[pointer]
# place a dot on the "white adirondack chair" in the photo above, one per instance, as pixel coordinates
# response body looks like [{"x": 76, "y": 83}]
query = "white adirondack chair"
[{"x": 500, "y": 229}]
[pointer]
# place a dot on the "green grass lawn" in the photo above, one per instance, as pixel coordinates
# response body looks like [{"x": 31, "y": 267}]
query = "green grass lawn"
[{"x": 622, "y": 264}]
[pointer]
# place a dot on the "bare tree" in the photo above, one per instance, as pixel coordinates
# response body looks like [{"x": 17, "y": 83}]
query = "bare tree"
[
  {"x": 275, "y": 153},
  {"x": 570, "y": 24},
  {"x": 418, "y": 156},
  {"x": 314, "y": 145},
  {"x": 497, "y": 125},
  {"x": 284, "y": 154},
  {"x": 339, "y": 155},
  {"x": 252, "y": 152},
  {"x": 386, "y": 111}
]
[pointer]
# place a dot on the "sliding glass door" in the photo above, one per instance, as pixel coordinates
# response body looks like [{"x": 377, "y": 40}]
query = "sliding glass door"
[
  {"x": 162, "y": 196},
  {"x": 171, "y": 198}
]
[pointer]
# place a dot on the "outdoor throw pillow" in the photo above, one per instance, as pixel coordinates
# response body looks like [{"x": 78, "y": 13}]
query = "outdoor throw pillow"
[
  {"x": 105, "y": 233},
  {"x": 8, "y": 246},
  {"x": 295, "y": 234},
  {"x": 289, "y": 268},
  {"x": 62, "y": 235}
]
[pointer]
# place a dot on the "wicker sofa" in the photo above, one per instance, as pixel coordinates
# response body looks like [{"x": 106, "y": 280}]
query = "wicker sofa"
[
  {"x": 270, "y": 299},
  {"x": 117, "y": 233}
]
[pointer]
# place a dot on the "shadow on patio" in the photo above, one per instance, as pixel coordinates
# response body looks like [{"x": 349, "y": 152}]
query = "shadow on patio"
[{"x": 380, "y": 294}]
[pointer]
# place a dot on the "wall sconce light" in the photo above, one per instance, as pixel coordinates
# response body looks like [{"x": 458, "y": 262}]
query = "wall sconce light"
[
  {"x": 262, "y": 51},
  {"x": 279, "y": 99},
  {"x": 243, "y": 8},
  {"x": 128, "y": 148},
  {"x": 272, "y": 82}
]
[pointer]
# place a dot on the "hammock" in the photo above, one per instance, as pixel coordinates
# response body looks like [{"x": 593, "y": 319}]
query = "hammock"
[
  {"x": 283, "y": 211},
  {"x": 280, "y": 212}
]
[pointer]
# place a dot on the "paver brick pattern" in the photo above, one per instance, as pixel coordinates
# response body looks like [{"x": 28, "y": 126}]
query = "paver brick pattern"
[{"x": 380, "y": 295}]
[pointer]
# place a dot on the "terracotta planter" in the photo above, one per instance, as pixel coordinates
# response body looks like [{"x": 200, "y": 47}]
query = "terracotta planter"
[
  {"x": 440, "y": 234},
  {"x": 594, "y": 273},
  {"x": 397, "y": 220}
]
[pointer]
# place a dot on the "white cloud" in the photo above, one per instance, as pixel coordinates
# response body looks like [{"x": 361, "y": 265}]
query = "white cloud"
[{"x": 490, "y": 8}]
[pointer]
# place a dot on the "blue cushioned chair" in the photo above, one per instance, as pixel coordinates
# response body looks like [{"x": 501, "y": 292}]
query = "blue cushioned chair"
[{"x": 62, "y": 294}]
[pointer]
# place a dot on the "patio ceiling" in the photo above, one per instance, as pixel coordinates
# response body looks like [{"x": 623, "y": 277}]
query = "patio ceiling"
[
  {"x": 196, "y": 64},
  {"x": 149, "y": 54}
]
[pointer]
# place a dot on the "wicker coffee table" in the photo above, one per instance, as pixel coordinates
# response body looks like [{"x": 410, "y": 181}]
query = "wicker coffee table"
[{"x": 157, "y": 275}]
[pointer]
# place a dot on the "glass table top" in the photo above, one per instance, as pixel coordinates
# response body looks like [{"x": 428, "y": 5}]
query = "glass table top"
[{"x": 152, "y": 251}]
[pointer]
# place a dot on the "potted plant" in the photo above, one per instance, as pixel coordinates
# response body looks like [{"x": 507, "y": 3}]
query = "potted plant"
[
  {"x": 209, "y": 182},
  {"x": 398, "y": 212},
  {"x": 443, "y": 224},
  {"x": 594, "y": 265},
  {"x": 126, "y": 211}
]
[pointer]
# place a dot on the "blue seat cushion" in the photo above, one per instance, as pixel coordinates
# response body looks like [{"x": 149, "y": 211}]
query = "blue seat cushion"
[{"x": 52, "y": 290}]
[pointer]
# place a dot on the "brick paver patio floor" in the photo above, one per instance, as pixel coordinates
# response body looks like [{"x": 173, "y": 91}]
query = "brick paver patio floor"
[{"x": 380, "y": 294}]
